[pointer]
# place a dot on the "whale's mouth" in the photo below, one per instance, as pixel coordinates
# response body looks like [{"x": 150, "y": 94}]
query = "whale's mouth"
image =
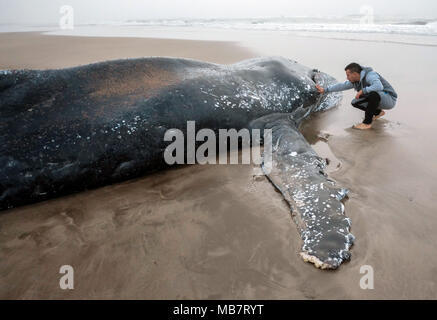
[
  {"x": 328, "y": 100},
  {"x": 320, "y": 102},
  {"x": 314, "y": 72}
]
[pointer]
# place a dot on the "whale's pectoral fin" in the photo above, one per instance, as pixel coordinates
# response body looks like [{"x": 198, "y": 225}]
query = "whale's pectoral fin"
[{"x": 298, "y": 172}]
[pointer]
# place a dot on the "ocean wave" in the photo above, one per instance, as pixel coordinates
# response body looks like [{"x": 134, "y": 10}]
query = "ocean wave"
[{"x": 349, "y": 24}]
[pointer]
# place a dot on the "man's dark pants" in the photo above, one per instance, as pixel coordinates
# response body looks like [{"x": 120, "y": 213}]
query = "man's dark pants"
[{"x": 369, "y": 103}]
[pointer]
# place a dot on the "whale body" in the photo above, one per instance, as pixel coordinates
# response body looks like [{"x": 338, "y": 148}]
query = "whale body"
[{"x": 68, "y": 130}]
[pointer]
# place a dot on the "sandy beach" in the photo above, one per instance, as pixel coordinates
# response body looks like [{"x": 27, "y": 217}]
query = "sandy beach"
[{"x": 215, "y": 232}]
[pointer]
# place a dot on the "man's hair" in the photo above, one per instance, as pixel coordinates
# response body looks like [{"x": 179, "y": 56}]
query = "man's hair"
[{"x": 353, "y": 67}]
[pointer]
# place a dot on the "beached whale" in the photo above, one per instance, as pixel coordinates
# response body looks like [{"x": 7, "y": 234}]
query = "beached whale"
[{"x": 67, "y": 130}]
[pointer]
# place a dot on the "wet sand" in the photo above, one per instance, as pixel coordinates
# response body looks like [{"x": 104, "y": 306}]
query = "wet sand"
[
  {"x": 33, "y": 50},
  {"x": 215, "y": 232}
]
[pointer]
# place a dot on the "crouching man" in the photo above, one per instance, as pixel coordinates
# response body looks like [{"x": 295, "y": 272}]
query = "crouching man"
[{"x": 374, "y": 95}]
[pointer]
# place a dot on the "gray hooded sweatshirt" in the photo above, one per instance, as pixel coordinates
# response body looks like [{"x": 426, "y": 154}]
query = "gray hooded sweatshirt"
[{"x": 369, "y": 81}]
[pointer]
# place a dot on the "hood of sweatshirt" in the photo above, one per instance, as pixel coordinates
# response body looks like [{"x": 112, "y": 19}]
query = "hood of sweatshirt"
[{"x": 365, "y": 71}]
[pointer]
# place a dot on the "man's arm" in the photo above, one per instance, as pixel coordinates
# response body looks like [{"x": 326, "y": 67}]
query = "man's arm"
[
  {"x": 340, "y": 86},
  {"x": 375, "y": 82}
]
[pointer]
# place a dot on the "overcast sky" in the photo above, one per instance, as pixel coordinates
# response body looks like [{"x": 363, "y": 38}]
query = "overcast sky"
[{"x": 85, "y": 11}]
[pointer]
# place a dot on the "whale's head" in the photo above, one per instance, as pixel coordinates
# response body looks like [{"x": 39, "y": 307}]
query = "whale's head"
[
  {"x": 304, "y": 80},
  {"x": 300, "y": 82}
]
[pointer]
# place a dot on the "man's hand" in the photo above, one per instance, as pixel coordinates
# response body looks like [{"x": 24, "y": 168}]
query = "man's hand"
[
  {"x": 320, "y": 89},
  {"x": 359, "y": 94}
]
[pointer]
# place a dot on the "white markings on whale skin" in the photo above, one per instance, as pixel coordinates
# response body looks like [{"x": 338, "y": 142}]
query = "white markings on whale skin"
[{"x": 272, "y": 96}]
